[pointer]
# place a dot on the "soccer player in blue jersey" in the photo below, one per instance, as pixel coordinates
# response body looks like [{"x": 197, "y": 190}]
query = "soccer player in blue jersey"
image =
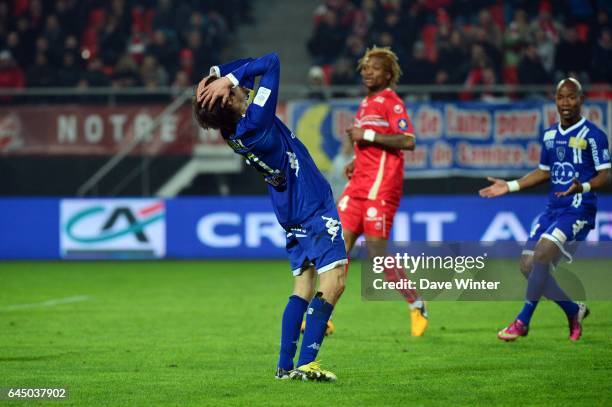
[
  {"x": 301, "y": 197},
  {"x": 576, "y": 159}
]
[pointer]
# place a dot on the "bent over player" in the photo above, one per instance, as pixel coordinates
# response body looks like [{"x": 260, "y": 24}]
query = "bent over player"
[
  {"x": 381, "y": 132},
  {"x": 301, "y": 197},
  {"x": 576, "y": 160}
]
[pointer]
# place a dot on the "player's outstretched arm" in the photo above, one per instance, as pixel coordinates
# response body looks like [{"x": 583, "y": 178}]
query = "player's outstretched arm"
[
  {"x": 500, "y": 187},
  {"x": 597, "y": 182}
]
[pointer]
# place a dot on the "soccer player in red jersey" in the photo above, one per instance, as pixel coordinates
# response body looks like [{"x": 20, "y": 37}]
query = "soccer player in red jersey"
[{"x": 381, "y": 132}]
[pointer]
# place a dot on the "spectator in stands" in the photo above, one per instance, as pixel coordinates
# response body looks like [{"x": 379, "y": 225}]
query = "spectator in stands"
[
  {"x": 55, "y": 37},
  {"x": 453, "y": 58},
  {"x": 11, "y": 75},
  {"x": 344, "y": 73},
  {"x": 41, "y": 73},
  {"x": 126, "y": 73},
  {"x": 19, "y": 52},
  {"x": 545, "y": 23},
  {"x": 418, "y": 70},
  {"x": 94, "y": 76},
  {"x": 165, "y": 50},
  {"x": 355, "y": 48},
  {"x": 491, "y": 32},
  {"x": 546, "y": 51},
  {"x": 572, "y": 55},
  {"x": 517, "y": 35},
  {"x": 202, "y": 58},
  {"x": 601, "y": 65},
  {"x": 153, "y": 74},
  {"x": 113, "y": 41},
  {"x": 531, "y": 71},
  {"x": 317, "y": 89},
  {"x": 27, "y": 37},
  {"x": 69, "y": 74},
  {"x": 327, "y": 41},
  {"x": 442, "y": 79}
]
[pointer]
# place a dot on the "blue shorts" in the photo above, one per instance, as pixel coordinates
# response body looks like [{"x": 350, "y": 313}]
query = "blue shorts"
[
  {"x": 318, "y": 242},
  {"x": 563, "y": 226}
]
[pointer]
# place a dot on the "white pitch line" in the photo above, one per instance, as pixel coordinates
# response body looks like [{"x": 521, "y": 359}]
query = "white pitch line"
[{"x": 48, "y": 303}]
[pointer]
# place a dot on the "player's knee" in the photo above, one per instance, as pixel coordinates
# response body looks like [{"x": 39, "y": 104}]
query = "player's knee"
[{"x": 525, "y": 265}]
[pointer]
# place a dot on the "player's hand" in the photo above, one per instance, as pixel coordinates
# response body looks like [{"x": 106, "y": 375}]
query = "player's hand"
[
  {"x": 215, "y": 90},
  {"x": 200, "y": 89},
  {"x": 575, "y": 188},
  {"x": 497, "y": 188},
  {"x": 355, "y": 134},
  {"x": 348, "y": 170}
]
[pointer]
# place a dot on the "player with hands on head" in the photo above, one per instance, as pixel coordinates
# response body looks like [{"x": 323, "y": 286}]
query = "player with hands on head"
[{"x": 300, "y": 195}]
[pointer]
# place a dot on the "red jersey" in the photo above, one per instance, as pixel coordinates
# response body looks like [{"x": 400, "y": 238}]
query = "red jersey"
[{"x": 379, "y": 172}]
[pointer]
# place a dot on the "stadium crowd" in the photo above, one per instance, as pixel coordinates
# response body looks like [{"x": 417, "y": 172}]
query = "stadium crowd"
[
  {"x": 469, "y": 42},
  {"x": 119, "y": 43}
]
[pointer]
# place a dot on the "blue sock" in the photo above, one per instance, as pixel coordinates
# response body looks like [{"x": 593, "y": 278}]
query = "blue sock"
[
  {"x": 527, "y": 311},
  {"x": 554, "y": 292},
  {"x": 318, "y": 314},
  {"x": 290, "y": 333},
  {"x": 536, "y": 283}
]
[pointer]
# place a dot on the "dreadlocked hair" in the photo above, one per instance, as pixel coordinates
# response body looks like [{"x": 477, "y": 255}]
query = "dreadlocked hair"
[{"x": 388, "y": 58}]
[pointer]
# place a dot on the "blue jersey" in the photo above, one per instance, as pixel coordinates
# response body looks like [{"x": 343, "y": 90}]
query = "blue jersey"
[
  {"x": 295, "y": 184},
  {"x": 579, "y": 151}
]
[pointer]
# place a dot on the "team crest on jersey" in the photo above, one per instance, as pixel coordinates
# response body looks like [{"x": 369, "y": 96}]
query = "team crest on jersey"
[
  {"x": 398, "y": 108},
  {"x": 560, "y": 153},
  {"x": 402, "y": 124}
]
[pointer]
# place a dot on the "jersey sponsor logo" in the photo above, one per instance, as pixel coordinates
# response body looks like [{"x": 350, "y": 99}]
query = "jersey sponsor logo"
[
  {"x": 371, "y": 212},
  {"x": 594, "y": 150},
  {"x": 550, "y": 135},
  {"x": 398, "y": 108},
  {"x": 402, "y": 124},
  {"x": 379, "y": 99},
  {"x": 262, "y": 96},
  {"x": 576, "y": 142},
  {"x": 562, "y": 173}
]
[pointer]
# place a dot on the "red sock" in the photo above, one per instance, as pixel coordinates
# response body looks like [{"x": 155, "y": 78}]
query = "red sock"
[{"x": 396, "y": 275}]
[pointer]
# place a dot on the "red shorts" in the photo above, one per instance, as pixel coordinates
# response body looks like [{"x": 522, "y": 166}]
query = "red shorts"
[{"x": 365, "y": 216}]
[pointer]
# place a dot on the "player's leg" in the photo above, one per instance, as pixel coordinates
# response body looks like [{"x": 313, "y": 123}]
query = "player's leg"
[
  {"x": 326, "y": 249},
  {"x": 378, "y": 220},
  {"x": 303, "y": 290},
  {"x": 331, "y": 286}
]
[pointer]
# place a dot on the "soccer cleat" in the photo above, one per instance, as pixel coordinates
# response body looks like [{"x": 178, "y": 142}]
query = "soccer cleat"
[
  {"x": 282, "y": 374},
  {"x": 513, "y": 331},
  {"x": 330, "y": 327},
  {"x": 575, "y": 322},
  {"x": 419, "y": 320},
  {"x": 312, "y": 372}
]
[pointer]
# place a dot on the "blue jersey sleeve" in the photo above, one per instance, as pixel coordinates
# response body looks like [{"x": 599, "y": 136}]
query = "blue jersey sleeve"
[
  {"x": 600, "y": 150},
  {"x": 224, "y": 69},
  {"x": 261, "y": 112},
  {"x": 544, "y": 159}
]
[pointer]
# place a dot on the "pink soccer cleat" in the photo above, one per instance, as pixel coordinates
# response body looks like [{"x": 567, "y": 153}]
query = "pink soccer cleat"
[
  {"x": 513, "y": 331},
  {"x": 575, "y": 322}
]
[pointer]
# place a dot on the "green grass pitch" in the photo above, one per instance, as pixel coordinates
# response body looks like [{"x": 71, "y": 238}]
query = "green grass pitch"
[{"x": 207, "y": 333}]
